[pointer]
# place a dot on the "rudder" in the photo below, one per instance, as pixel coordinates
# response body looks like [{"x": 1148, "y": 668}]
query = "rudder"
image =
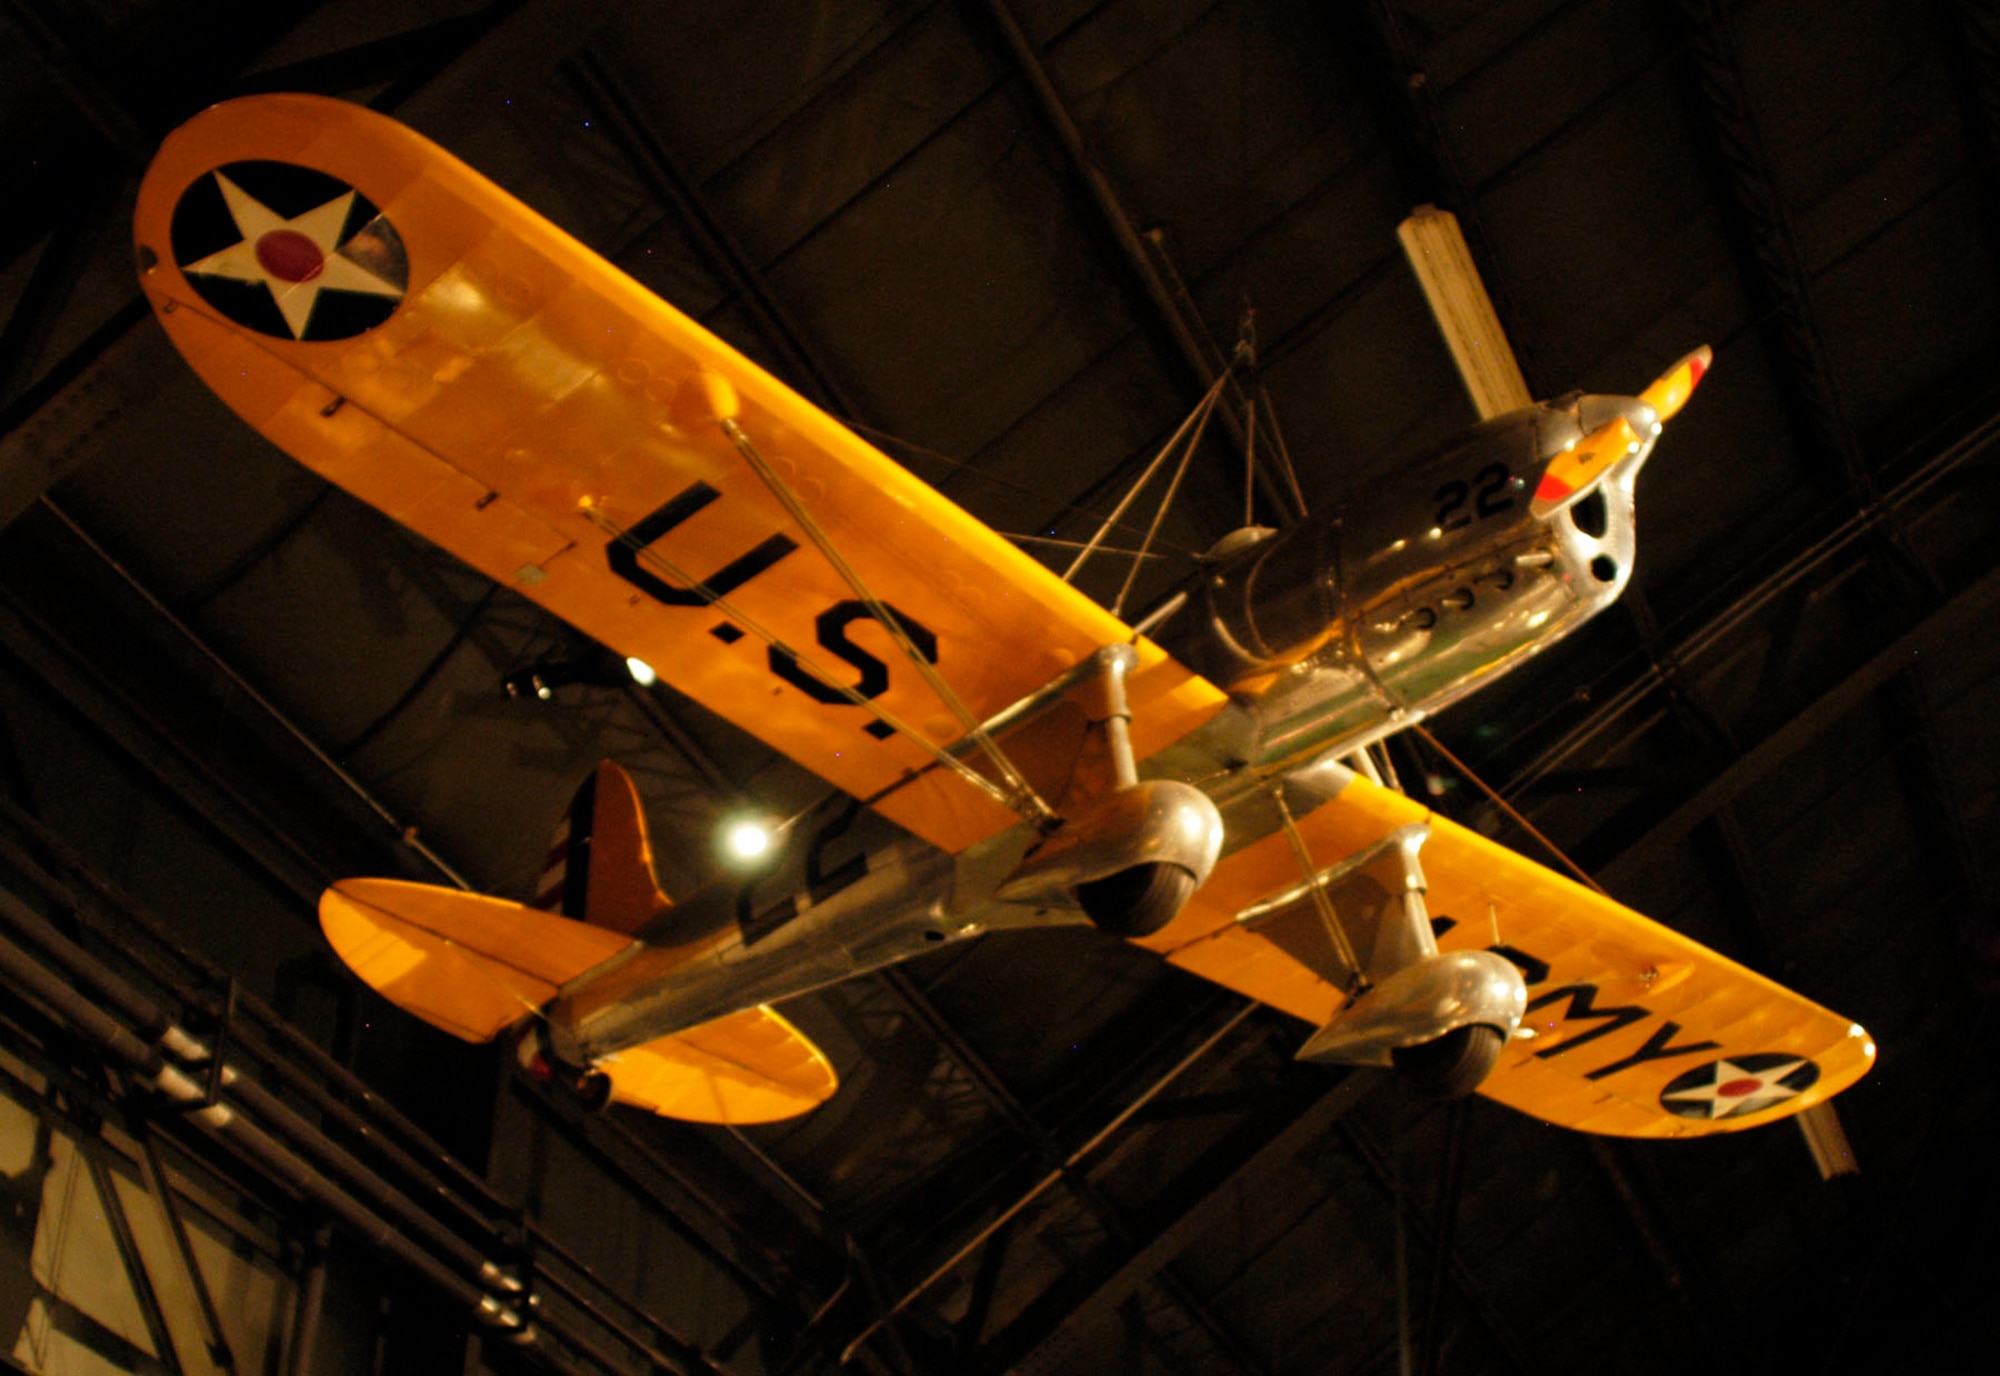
[{"x": 600, "y": 862}]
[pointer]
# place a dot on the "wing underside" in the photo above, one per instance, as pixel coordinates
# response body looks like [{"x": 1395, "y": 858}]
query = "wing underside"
[
  {"x": 1632, "y": 1029},
  {"x": 458, "y": 362}
]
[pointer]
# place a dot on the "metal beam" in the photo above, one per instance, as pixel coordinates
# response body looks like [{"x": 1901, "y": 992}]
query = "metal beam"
[
  {"x": 1188, "y": 336},
  {"x": 90, "y": 97},
  {"x": 1971, "y": 33},
  {"x": 1296, "y": 1113},
  {"x": 1399, "y": 95},
  {"x": 669, "y": 183},
  {"x": 65, "y": 255},
  {"x": 1379, "y": 1167},
  {"x": 65, "y": 418},
  {"x": 1817, "y": 555},
  {"x": 1767, "y": 246},
  {"x": 134, "y": 1260},
  {"x": 380, "y": 61},
  {"x": 1964, "y": 616},
  {"x": 996, "y": 1092}
]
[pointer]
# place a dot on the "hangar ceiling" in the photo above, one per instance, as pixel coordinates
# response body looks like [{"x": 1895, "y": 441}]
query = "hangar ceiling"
[{"x": 1010, "y": 243}]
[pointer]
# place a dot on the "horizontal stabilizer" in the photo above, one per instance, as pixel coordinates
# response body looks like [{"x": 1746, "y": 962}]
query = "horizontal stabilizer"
[
  {"x": 748, "y": 1067},
  {"x": 465, "y": 963}
]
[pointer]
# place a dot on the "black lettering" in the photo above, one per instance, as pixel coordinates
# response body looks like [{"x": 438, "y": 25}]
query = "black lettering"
[
  {"x": 1533, "y": 971},
  {"x": 1494, "y": 496},
  {"x": 1450, "y": 498},
  {"x": 821, "y": 882},
  {"x": 756, "y": 927},
  {"x": 1582, "y": 1004},
  {"x": 831, "y": 626},
  {"x": 1655, "y": 1049},
  {"x": 623, "y": 553}
]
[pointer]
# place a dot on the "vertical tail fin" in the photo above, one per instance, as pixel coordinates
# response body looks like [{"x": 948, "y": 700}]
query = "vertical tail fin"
[{"x": 600, "y": 863}]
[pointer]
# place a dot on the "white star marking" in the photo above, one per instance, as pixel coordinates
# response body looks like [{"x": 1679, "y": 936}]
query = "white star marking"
[
  {"x": 1736, "y": 1090},
  {"x": 320, "y": 226}
]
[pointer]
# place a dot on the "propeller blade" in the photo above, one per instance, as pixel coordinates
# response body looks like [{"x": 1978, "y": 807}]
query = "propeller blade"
[
  {"x": 1671, "y": 391},
  {"x": 1575, "y": 471}
]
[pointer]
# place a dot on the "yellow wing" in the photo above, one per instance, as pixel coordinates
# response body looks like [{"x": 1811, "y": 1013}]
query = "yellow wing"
[
  {"x": 413, "y": 333},
  {"x": 1632, "y": 1029},
  {"x": 465, "y": 963},
  {"x": 472, "y": 966},
  {"x": 748, "y": 1067}
]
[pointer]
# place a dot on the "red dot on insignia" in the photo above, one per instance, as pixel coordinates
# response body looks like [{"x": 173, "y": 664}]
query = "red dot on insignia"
[
  {"x": 1736, "y": 1089},
  {"x": 289, "y": 256}
]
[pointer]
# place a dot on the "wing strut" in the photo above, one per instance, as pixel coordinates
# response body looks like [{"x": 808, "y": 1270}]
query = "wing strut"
[
  {"x": 1335, "y": 933},
  {"x": 1024, "y": 799}
]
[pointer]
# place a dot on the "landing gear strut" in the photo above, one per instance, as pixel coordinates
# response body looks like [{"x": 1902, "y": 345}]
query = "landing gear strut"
[
  {"x": 1130, "y": 857},
  {"x": 1441, "y": 1018}
]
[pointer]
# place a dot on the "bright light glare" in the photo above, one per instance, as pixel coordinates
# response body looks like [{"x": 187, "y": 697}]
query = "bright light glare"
[
  {"x": 642, "y": 672},
  {"x": 747, "y": 840}
]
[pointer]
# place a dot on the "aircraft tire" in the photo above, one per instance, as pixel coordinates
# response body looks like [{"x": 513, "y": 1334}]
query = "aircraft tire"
[
  {"x": 1452, "y": 1066},
  {"x": 593, "y": 1091},
  {"x": 1137, "y": 901}
]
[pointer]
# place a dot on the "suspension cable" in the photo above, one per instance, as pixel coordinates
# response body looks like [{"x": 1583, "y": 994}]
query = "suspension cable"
[
  {"x": 1513, "y": 812},
  {"x": 1026, "y": 800},
  {"x": 1205, "y": 410},
  {"x": 1206, "y": 403}
]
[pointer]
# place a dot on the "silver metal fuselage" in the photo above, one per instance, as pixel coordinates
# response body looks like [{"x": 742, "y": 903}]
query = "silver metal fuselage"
[{"x": 1342, "y": 630}]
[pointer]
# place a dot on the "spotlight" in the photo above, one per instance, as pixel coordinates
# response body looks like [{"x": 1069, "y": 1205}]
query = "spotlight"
[
  {"x": 642, "y": 672},
  {"x": 747, "y": 838}
]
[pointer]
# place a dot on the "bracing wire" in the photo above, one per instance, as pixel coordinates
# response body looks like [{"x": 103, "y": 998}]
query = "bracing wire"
[
  {"x": 1206, "y": 404},
  {"x": 1204, "y": 411},
  {"x": 660, "y": 562},
  {"x": 1025, "y": 800}
]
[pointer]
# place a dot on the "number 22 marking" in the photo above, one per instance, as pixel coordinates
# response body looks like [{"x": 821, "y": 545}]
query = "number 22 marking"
[{"x": 1495, "y": 495}]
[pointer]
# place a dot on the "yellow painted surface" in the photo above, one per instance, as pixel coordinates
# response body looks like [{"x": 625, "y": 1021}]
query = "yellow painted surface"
[
  {"x": 473, "y": 966},
  {"x": 527, "y": 401},
  {"x": 1496, "y": 897},
  {"x": 1672, "y": 388},
  {"x": 465, "y": 963},
  {"x": 749, "y": 1067},
  {"x": 623, "y": 893}
]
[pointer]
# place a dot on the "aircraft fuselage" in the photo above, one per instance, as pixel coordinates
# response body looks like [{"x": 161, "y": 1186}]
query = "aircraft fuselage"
[{"x": 1344, "y": 629}]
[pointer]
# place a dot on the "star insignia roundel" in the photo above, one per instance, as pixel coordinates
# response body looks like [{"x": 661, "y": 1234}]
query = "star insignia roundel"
[
  {"x": 288, "y": 251},
  {"x": 1738, "y": 1085}
]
